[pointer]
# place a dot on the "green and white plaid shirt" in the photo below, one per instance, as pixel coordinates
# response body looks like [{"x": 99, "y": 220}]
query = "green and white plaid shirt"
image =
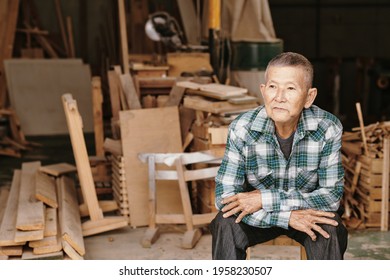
[{"x": 312, "y": 177}]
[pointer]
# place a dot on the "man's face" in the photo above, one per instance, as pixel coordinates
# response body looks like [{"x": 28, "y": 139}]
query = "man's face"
[{"x": 285, "y": 94}]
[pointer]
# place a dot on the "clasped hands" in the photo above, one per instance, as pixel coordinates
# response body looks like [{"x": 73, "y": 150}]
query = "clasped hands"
[{"x": 305, "y": 220}]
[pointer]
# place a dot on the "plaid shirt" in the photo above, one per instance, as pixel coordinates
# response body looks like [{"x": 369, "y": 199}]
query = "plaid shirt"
[{"x": 312, "y": 177}]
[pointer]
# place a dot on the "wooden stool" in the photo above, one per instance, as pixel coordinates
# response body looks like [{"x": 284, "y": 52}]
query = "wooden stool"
[
  {"x": 282, "y": 240},
  {"x": 182, "y": 175}
]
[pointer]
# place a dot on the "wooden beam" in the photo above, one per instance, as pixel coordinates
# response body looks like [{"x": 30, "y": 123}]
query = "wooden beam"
[
  {"x": 7, "y": 227},
  {"x": 362, "y": 131},
  {"x": 123, "y": 36},
  {"x": 69, "y": 27},
  {"x": 58, "y": 169},
  {"x": 128, "y": 87},
  {"x": 45, "y": 189},
  {"x": 385, "y": 185},
  {"x": 97, "y": 223},
  {"x": 61, "y": 24},
  {"x": 70, "y": 221},
  {"x": 31, "y": 214},
  {"x": 97, "y": 101}
]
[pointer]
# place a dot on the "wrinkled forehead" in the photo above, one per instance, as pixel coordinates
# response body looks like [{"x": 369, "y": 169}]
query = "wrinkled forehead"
[{"x": 296, "y": 74}]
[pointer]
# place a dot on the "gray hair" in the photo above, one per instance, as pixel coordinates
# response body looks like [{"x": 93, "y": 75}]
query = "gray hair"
[{"x": 294, "y": 59}]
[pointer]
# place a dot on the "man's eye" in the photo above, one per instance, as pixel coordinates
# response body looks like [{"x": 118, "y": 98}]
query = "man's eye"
[
  {"x": 291, "y": 88},
  {"x": 272, "y": 86}
]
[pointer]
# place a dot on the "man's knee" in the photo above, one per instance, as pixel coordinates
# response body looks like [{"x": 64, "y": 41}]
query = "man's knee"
[{"x": 219, "y": 222}]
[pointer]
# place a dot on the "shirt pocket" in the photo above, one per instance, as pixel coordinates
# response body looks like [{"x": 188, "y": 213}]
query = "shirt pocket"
[
  {"x": 306, "y": 180},
  {"x": 264, "y": 180}
]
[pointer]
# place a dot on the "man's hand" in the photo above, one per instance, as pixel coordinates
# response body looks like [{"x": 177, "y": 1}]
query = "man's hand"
[
  {"x": 307, "y": 220},
  {"x": 246, "y": 203}
]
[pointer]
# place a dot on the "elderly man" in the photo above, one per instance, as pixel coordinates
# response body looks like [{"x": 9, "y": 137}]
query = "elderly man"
[{"x": 282, "y": 172}]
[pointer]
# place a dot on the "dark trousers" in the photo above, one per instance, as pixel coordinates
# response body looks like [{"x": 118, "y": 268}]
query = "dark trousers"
[{"x": 230, "y": 240}]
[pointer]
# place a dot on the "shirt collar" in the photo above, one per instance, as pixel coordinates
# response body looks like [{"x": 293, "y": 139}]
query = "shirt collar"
[{"x": 264, "y": 124}]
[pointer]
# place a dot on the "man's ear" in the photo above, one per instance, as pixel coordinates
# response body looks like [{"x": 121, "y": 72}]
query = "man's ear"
[
  {"x": 262, "y": 87},
  {"x": 311, "y": 96}
]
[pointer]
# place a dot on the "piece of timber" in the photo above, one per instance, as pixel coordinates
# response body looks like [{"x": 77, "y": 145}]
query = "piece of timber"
[
  {"x": 58, "y": 169},
  {"x": 70, "y": 251},
  {"x": 123, "y": 36},
  {"x": 115, "y": 92},
  {"x": 31, "y": 214},
  {"x": 113, "y": 146},
  {"x": 97, "y": 101},
  {"x": 29, "y": 255},
  {"x": 50, "y": 222},
  {"x": 202, "y": 104},
  {"x": 70, "y": 222},
  {"x": 7, "y": 227},
  {"x": 45, "y": 189},
  {"x": 105, "y": 205},
  {"x": 175, "y": 96},
  {"x": 4, "y": 193},
  {"x": 74, "y": 122},
  {"x": 97, "y": 220},
  {"x": 385, "y": 185},
  {"x": 106, "y": 224},
  {"x": 12, "y": 250},
  {"x": 130, "y": 91},
  {"x": 50, "y": 248}
]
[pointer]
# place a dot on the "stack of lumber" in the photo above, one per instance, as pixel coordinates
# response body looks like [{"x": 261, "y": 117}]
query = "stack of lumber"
[
  {"x": 41, "y": 218},
  {"x": 363, "y": 174}
]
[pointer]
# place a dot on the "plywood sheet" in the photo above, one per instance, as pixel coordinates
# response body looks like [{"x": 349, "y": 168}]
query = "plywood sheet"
[
  {"x": 35, "y": 89},
  {"x": 155, "y": 130}
]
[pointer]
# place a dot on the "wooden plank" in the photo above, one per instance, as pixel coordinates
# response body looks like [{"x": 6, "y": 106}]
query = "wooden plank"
[
  {"x": 7, "y": 36},
  {"x": 361, "y": 122},
  {"x": 70, "y": 222},
  {"x": 62, "y": 27},
  {"x": 385, "y": 185},
  {"x": 45, "y": 189},
  {"x": 8, "y": 225},
  {"x": 29, "y": 255},
  {"x": 105, "y": 205},
  {"x": 115, "y": 93},
  {"x": 4, "y": 193},
  {"x": 50, "y": 222},
  {"x": 97, "y": 101},
  {"x": 130, "y": 92},
  {"x": 69, "y": 27},
  {"x": 175, "y": 96},
  {"x": 80, "y": 152},
  {"x": 123, "y": 36},
  {"x": 187, "y": 62},
  {"x": 113, "y": 146},
  {"x": 58, "y": 169},
  {"x": 12, "y": 250},
  {"x": 70, "y": 251},
  {"x": 202, "y": 104},
  {"x": 31, "y": 214},
  {"x": 53, "y": 247},
  {"x": 190, "y": 22},
  {"x": 157, "y": 130}
]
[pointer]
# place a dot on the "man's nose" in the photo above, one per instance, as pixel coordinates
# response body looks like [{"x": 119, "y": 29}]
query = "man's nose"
[{"x": 280, "y": 95}]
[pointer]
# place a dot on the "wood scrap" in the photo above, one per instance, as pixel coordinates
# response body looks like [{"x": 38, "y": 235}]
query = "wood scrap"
[
  {"x": 45, "y": 189},
  {"x": 58, "y": 169},
  {"x": 130, "y": 92},
  {"x": 8, "y": 224},
  {"x": 97, "y": 223},
  {"x": 385, "y": 186},
  {"x": 30, "y": 211},
  {"x": 71, "y": 230}
]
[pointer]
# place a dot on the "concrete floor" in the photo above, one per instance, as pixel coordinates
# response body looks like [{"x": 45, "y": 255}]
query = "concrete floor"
[{"x": 125, "y": 243}]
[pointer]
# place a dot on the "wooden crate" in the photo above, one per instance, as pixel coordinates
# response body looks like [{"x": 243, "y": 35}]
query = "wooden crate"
[{"x": 370, "y": 182}]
